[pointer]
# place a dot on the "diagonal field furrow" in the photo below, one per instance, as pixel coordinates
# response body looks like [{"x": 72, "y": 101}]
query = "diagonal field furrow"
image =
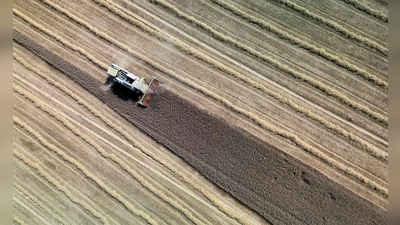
[
  {"x": 322, "y": 87},
  {"x": 18, "y": 220},
  {"x": 113, "y": 146},
  {"x": 78, "y": 165},
  {"x": 374, "y": 32},
  {"x": 261, "y": 123},
  {"x": 358, "y": 71},
  {"x": 55, "y": 183},
  {"x": 228, "y": 59},
  {"x": 286, "y": 101},
  {"x": 84, "y": 170},
  {"x": 312, "y": 32},
  {"x": 300, "y": 76},
  {"x": 65, "y": 42},
  {"x": 309, "y": 47},
  {"x": 135, "y": 143},
  {"x": 145, "y": 122},
  {"x": 45, "y": 193},
  {"x": 249, "y": 125},
  {"x": 335, "y": 26},
  {"x": 32, "y": 198},
  {"x": 282, "y": 51},
  {"x": 293, "y": 138},
  {"x": 336, "y": 129},
  {"x": 115, "y": 159},
  {"x": 366, "y": 9},
  {"x": 89, "y": 132},
  {"x": 201, "y": 56},
  {"x": 106, "y": 205}
]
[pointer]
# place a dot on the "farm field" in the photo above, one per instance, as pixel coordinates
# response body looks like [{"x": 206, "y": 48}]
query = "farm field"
[{"x": 268, "y": 112}]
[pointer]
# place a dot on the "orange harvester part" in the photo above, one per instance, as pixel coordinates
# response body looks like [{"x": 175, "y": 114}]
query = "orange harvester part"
[{"x": 149, "y": 93}]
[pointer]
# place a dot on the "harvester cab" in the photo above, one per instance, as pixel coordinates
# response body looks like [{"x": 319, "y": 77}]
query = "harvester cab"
[{"x": 136, "y": 84}]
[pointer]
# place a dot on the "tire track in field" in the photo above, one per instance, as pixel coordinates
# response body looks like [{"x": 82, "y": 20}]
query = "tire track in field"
[
  {"x": 216, "y": 64},
  {"x": 61, "y": 40},
  {"x": 49, "y": 178},
  {"x": 286, "y": 61},
  {"x": 79, "y": 166},
  {"x": 239, "y": 76},
  {"x": 359, "y": 142},
  {"x": 263, "y": 124},
  {"x": 368, "y": 10},
  {"x": 337, "y": 27},
  {"x": 134, "y": 142},
  {"x": 123, "y": 151},
  {"x": 293, "y": 36},
  {"x": 132, "y": 114},
  {"x": 136, "y": 176},
  {"x": 147, "y": 185},
  {"x": 325, "y": 89},
  {"x": 215, "y": 201},
  {"x": 23, "y": 132},
  {"x": 303, "y": 44},
  {"x": 31, "y": 210},
  {"x": 33, "y": 199},
  {"x": 219, "y": 36},
  {"x": 185, "y": 49},
  {"x": 86, "y": 75},
  {"x": 363, "y": 145},
  {"x": 302, "y": 77}
]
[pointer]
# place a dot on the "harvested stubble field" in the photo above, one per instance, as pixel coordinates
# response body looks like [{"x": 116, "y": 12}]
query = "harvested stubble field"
[{"x": 268, "y": 112}]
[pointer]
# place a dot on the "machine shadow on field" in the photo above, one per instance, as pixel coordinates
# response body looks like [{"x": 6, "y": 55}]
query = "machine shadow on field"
[
  {"x": 114, "y": 88},
  {"x": 124, "y": 93}
]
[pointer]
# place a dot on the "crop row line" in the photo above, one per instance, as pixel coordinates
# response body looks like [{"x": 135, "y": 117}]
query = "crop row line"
[
  {"x": 37, "y": 202},
  {"x": 134, "y": 142},
  {"x": 147, "y": 185},
  {"x": 209, "y": 196},
  {"x": 51, "y": 179},
  {"x": 62, "y": 40},
  {"x": 254, "y": 118},
  {"x": 364, "y": 145},
  {"x": 302, "y": 77},
  {"x": 295, "y": 139},
  {"x": 338, "y": 28},
  {"x": 379, "y": 154},
  {"x": 106, "y": 155},
  {"x": 18, "y": 220},
  {"x": 305, "y": 45},
  {"x": 368, "y": 10},
  {"x": 311, "y": 48}
]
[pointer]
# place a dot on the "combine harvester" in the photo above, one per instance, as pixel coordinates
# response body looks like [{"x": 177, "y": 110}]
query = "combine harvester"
[{"x": 136, "y": 84}]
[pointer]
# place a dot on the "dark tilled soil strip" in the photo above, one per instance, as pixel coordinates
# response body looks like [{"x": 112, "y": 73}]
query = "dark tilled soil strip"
[{"x": 274, "y": 184}]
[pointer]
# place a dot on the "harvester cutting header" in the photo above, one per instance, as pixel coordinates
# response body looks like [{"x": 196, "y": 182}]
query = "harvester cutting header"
[{"x": 136, "y": 84}]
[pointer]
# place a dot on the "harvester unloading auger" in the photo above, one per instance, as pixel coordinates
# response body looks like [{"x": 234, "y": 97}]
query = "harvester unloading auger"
[{"x": 136, "y": 84}]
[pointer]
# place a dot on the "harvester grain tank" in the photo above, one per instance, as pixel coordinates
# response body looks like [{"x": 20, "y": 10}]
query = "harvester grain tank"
[{"x": 136, "y": 84}]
